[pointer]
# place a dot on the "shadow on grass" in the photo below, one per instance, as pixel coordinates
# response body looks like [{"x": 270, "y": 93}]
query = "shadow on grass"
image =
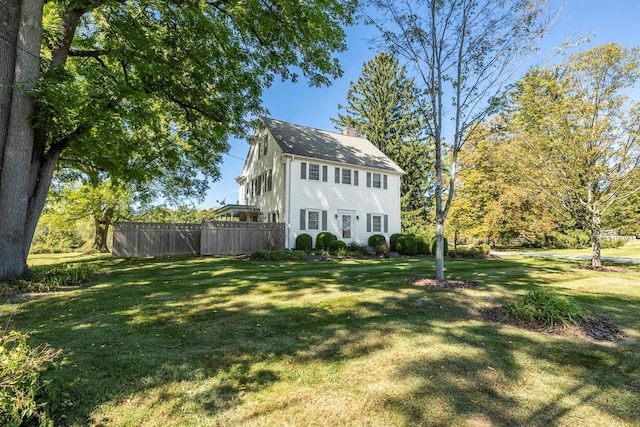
[
  {"x": 490, "y": 387},
  {"x": 230, "y": 326}
]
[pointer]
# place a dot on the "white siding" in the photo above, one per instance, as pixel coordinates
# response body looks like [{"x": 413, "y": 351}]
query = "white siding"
[
  {"x": 338, "y": 199},
  {"x": 270, "y": 202}
]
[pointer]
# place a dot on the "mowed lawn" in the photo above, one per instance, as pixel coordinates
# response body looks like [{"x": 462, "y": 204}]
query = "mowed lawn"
[{"x": 221, "y": 341}]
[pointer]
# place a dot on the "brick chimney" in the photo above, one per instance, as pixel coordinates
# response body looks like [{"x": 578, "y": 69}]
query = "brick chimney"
[{"x": 349, "y": 131}]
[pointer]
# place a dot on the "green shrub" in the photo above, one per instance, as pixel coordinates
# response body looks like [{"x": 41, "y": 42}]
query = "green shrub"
[
  {"x": 393, "y": 241},
  {"x": 546, "y": 308},
  {"x": 569, "y": 239},
  {"x": 376, "y": 240},
  {"x": 612, "y": 244},
  {"x": 407, "y": 244},
  {"x": 484, "y": 248},
  {"x": 281, "y": 255},
  {"x": 337, "y": 246},
  {"x": 304, "y": 242},
  {"x": 21, "y": 385},
  {"x": 433, "y": 246},
  {"x": 44, "y": 279},
  {"x": 423, "y": 244},
  {"x": 466, "y": 253},
  {"x": 323, "y": 239}
]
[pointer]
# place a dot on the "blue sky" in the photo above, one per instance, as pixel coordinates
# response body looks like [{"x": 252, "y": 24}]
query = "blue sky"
[{"x": 603, "y": 21}]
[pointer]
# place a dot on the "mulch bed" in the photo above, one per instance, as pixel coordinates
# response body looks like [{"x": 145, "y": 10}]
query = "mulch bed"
[
  {"x": 604, "y": 268},
  {"x": 596, "y": 328},
  {"x": 447, "y": 283}
]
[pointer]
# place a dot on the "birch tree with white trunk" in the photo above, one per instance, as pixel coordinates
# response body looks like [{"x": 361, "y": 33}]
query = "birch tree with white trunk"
[{"x": 464, "y": 53}]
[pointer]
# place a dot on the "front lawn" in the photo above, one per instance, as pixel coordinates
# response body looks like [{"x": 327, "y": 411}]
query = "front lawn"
[{"x": 220, "y": 341}]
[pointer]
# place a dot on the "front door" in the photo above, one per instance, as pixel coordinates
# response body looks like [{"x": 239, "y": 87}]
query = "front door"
[{"x": 347, "y": 228}]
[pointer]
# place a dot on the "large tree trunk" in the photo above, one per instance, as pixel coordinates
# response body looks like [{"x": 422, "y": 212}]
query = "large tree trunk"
[
  {"x": 16, "y": 177},
  {"x": 596, "y": 229},
  {"x": 10, "y": 15}
]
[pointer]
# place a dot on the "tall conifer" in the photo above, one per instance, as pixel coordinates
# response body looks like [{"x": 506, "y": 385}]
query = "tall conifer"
[{"x": 381, "y": 105}]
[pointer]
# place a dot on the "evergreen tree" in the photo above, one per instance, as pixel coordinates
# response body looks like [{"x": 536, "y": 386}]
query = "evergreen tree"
[{"x": 381, "y": 105}]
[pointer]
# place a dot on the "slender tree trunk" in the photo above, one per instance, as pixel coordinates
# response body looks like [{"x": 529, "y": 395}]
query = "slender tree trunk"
[
  {"x": 101, "y": 229},
  {"x": 596, "y": 229},
  {"x": 15, "y": 178},
  {"x": 440, "y": 249}
]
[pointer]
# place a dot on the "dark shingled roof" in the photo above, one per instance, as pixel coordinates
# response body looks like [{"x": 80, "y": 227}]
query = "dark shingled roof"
[{"x": 329, "y": 146}]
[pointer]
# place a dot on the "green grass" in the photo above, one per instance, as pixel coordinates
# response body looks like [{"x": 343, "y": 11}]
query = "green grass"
[{"x": 218, "y": 341}]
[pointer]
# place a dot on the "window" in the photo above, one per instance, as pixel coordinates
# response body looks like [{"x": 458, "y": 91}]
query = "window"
[
  {"x": 346, "y": 176},
  {"x": 263, "y": 146},
  {"x": 267, "y": 181},
  {"x": 314, "y": 220},
  {"x": 314, "y": 172},
  {"x": 262, "y": 183},
  {"x": 375, "y": 180},
  {"x": 377, "y": 223}
]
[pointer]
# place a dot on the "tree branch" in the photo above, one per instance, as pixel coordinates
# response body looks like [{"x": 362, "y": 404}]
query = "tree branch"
[{"x": 87, "y": 53}]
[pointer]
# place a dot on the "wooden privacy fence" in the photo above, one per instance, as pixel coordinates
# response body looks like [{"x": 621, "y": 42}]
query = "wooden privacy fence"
[
  {"x": 144, "y": 239},
  {"x": 138, "y": 239},
  {"x": 234, "y": 238}
]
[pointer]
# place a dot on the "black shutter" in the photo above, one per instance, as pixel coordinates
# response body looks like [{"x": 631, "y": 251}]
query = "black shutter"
[
  {"x": 324, "y": 220},
  {"x": 303, "y": 216},
  {"x": 303, "y": 170},
  {"x": 368, "y": 179},
  {"x": 384, "y": 182},
  {"x": 355, "y": 178},
  {"x": 325, "y": 173},
  {"x": 368, "y": 223},
  {"x": 337, "y": 175},
  {"x": 386, "y": 223}
]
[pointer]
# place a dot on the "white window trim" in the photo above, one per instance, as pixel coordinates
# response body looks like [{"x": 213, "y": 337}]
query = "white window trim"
[
  {"x": 309, "y": 172},
  {"x": 350, "y": 175},
  {"x": 318, "y": 220}
]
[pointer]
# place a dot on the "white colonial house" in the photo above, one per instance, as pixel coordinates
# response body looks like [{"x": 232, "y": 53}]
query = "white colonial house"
[{"x": 314, "y": 180}]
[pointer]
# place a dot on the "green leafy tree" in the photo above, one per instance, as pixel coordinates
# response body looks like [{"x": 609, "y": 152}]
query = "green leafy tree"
[
  {"x": 576, "y": 124},
  {"x": 493, "y": 200},
  {"x": 464, "y": 53},
  {"x": 137, "y": 89},
  {"x": 624, "y": 216},
  {"x": 98, "y": 198},
  {"x": 382, "y": 105}
]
